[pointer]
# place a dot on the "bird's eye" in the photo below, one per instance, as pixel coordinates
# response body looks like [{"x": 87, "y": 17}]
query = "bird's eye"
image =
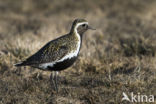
[{"x": 84, "y": 25}]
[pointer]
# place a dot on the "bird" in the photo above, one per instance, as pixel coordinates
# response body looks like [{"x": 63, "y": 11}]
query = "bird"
[{"x": 60, "y": 53}]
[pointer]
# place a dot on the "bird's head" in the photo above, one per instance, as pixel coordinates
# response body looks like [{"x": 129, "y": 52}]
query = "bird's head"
[{"x": 80, "y": 26}]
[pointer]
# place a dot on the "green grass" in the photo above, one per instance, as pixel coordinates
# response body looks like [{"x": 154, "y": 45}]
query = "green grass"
[{"x": 118, "y": 57}]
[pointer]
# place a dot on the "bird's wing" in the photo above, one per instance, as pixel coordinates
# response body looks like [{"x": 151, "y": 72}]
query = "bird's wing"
[{"x": 51, "y": 52}]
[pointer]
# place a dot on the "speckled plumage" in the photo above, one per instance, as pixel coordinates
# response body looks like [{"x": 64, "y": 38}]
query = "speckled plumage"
[
  {"x": 53, "y": 50},
  {"x": 60, "y": 53}
]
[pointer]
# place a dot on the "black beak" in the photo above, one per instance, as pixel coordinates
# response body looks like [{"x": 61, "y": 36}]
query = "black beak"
[{"x": 89, "y": 27}]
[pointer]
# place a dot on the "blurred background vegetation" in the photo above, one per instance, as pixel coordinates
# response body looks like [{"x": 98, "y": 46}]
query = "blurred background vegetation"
[{"x": 118, "y": 57}]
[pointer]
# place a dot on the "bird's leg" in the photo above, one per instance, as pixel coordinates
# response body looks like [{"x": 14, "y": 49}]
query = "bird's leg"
[
  {"x": 53, "y": 80},
  {"x": 56, "y": 80}
]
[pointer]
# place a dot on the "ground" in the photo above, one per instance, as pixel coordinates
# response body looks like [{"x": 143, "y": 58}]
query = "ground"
[{"x": 120, "y": 56}]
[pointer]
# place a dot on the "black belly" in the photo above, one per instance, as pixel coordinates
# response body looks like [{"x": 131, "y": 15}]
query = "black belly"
[{"x": 62, "y": 65}]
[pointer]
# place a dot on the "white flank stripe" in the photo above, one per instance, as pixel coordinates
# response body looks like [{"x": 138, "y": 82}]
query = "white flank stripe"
[
  {"x": 45, "y": 65},
  {"x": 69, "y": 55}
]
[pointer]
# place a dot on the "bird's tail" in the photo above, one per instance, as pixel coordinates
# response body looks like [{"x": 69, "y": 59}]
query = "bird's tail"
[{"x": 19, "y": 64}]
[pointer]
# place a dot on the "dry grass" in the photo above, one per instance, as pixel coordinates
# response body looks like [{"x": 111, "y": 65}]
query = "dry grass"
[{"x": 120, "y": 55}]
